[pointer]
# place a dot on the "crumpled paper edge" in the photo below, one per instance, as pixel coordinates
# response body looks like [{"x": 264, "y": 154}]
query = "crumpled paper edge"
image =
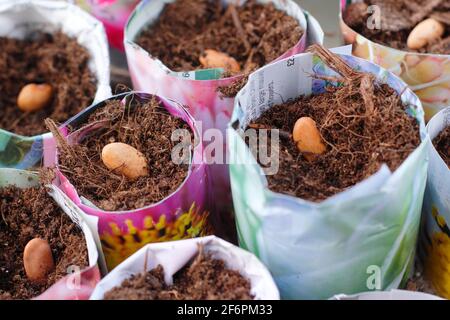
[
  {"x": 26, "y": 179},
  {"x": 175, "y": 255}
]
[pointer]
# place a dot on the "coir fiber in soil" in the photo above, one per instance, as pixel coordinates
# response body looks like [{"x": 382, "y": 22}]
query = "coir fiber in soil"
[
  {"x": 54, "y": 59},
  {"x": 417, "y": 282},
  {"x": 31, "y": 213},
  {"x": 147, "y": 127},
  {"x": 205, "y": 279},
  {"x": 398, "y": 18},
  {"x": 442, "y": 145},
  {"x": 363, "y": 125},
  {"x": 253, "y": 34}
]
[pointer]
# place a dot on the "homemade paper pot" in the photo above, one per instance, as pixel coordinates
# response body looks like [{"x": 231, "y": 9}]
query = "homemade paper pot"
[
  {"x": 344, "y": 243},
  {"x": 20, "y": 18},
  {"x": 436, "y": 211},
  {"x": 199, "y": 89},
  {"x": 428, "y": 75},
  {"x": 180, "y": 215},
  {"x": 114, "y": 15},
  {"x": 173, "y": 256},
  {"x": 76, "y": 286}
]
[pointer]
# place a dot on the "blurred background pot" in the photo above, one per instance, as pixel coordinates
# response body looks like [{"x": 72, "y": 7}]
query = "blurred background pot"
[
  {"x": 113, "y": 14},
  {"x": 428, "y": 75}
]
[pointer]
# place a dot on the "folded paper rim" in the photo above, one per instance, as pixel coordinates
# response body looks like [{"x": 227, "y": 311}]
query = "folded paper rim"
[
  {"x": 22, "y": 179},
  {"x": 384, "y": 170},
  {"x": 262, "y": 275},
  {"x": 129, "y": 40},
  {"x": 431, "y": 123},
  {"x": 196, "y": 159}
]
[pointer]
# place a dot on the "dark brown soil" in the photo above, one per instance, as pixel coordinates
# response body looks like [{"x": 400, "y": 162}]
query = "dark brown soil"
[
  {"x": 53, "y": 59},
  {"x": 363, "y": 125},
  {"x": 418, "y": 282},
  {"x": 442, "y": 145},
  {"x": 398, "y": 18},
  {"x": 253, "y": 34},
  {"x": 30, "y": 213},
  {"x": 148, "y": 128},
  {"x": 205, "y": 279},
  {"x": 232, "y": 90}
]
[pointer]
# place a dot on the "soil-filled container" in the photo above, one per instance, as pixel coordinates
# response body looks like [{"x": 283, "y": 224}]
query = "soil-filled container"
[
  {"x": 410, "y": 38},
  {"x": 436, "y": 209},
  {"x": 122, "y": 161},
  {"x": 54, "y": 62},
  {"x": 46, "y": 253},
  {"x": 165, "y": 41},
  {"x": 113, "y": 14},
  {"x": 206, "y": 268},
  {"x": 335, "y": 205}
]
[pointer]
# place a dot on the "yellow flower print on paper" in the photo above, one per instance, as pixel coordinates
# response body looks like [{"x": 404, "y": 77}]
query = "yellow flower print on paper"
[
  {"x": 117, "y": 245},
  {"x": 438, "y": 260}
]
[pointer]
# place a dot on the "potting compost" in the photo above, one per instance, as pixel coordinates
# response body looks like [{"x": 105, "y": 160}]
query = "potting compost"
[
  {"x": 363, "y": 125},
  {"x": 205, "y": 278},
  {"x": 147, "y": 128},
  {"x": 353, "y": 166},
  {"x": 193, "y": 34},
  {"x": 26, "y": 214},
  {"x": 55, "y": 61},
  {"x": 442, "y": 145}
]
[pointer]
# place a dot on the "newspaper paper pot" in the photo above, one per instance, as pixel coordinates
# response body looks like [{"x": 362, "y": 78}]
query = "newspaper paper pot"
[
  {"x": 315, "y": 250},
  {"x": 114, "y": 15},
  {"x": 180, "y": 215},
  {"x": 20, "y": 18},
  {"x": 75, "y": 286},
  {"x": 436, "y": 210},
  {"x": 428, "y": 75},
  {"x": 199, "y": 89},
  {"x": 173, "y": 256}
]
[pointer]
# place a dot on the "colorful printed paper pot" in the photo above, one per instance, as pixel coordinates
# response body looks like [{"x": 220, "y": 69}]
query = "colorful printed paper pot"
[
  {"x": 199, "y": 89},
  {"x": 18, "y": 19},
  {"x": 114, "y": 15},
  {"x": 180, "y": 215},
  {"x": 436, "y": 211},
  {"x": 365, "y": 236},
  {"x": 428, "y": 75}
]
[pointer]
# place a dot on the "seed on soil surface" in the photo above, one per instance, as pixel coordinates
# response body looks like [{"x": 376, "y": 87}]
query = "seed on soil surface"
[
  {"x": 38, "y": 259},
  {"x": 308, "y": 139},
  {"x": 425, "y": 33},
  {"x": 34, "y": 97},
  {"x": 215, "y": 59},
  {"x": 124, "y": 159}
]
